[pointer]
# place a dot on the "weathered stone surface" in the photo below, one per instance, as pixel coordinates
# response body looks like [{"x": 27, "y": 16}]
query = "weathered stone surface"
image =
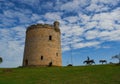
[{"x": 42, "y": 46}]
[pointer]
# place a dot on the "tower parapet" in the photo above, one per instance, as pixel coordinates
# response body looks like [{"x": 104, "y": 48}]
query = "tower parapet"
[{"x": 55, "y": 26}]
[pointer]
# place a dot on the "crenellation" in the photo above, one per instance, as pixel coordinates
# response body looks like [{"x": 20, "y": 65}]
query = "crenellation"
[{"x": 54, "y": 27}]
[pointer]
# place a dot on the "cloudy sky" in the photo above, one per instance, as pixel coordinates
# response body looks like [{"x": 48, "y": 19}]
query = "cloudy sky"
[{"x": 89, "y": 28}]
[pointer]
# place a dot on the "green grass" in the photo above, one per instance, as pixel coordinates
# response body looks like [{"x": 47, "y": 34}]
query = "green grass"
[{"x": 98, "y": 74}]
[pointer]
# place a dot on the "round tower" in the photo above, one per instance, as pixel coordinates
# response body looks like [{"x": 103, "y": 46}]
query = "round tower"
[{"x": 43, "y": 45}]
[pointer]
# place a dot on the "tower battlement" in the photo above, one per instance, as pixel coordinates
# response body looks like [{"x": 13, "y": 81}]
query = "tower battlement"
[{"x": 55, "y": 26}]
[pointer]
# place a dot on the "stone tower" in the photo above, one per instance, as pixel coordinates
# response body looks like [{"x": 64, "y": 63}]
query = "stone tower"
[{"x": 43, "y": 45}]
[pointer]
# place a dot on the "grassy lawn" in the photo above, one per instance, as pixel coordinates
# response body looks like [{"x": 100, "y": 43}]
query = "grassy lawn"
[{"x": 97, "y": 74}]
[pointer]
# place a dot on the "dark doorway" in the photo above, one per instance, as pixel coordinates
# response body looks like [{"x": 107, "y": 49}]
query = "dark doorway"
[
  {"x": 26, "y": 62},
  {"x": 50, "y": 64}
]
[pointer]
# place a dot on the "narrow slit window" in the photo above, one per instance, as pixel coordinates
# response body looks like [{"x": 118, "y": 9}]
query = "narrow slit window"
[
  {"x": 41, "y": 57},
  {"x": 50, "y": 37},
  {"x": 56, "y": 54}
]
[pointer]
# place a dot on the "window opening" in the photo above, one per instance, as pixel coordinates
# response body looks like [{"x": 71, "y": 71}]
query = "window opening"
[
  {"x": 41, "y": 57},
  {"x": 50, "y": 37},
  {"x": 56, "y": 54}
]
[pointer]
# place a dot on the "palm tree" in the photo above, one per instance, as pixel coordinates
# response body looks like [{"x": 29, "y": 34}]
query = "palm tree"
[
  {"x": 1, "y": 60},
  {"x": 117, "y": 57}
]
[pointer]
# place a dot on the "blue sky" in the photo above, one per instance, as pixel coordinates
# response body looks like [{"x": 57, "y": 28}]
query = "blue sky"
[{"x": 91, "y": 27}]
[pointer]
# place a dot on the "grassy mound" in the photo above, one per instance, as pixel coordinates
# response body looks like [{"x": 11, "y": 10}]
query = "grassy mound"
[{"x": 97, "y": 74}]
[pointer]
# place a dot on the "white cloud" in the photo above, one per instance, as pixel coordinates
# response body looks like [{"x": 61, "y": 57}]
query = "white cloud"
[
  {"x": 20, "y": 32},
  {"x": 40, "y": 21},
  {"x": 11, "y": 17},
  {"x": 102, "y": 5},
  {"x": 66, "y": 48},
  {"x": 53, "y": 16},
  {"x": 100, "y": 26},
  {"x": 12, "y": 45},
  {"x": 70, "y": 6},
  {"x": 47, "y": 6},
  {"x": 91, "y": 25},
  {"x": 71, "y": 35},
  {"x": 33, "y": 3},
  {"x": 92, "y": 34},
  {"x": 111, "y": 2},
  {"x": 11, "y": 52},
  {"x": 110, "y": 36},
  {"x": 106, "y": 24},
  {"x": 74, "y": 5},
  {"x": 107, "y": 20},
  {"x": 84, "y": 18},
  {"x": 4, "y": 34},
  {"x": 72, "y": 19},
  {"x": 97, "y": 8},
  {"x": 103, "y": 35},
  {"x": 86, "y": 44}
]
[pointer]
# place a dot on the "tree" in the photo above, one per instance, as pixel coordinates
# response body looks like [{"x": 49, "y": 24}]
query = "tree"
[
  {"x": 1, "y": 60},
  {"x": 117, "y": 57}
]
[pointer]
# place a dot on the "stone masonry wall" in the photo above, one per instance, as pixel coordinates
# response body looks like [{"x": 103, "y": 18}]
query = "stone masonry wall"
[{"x": 42, "y": 46}]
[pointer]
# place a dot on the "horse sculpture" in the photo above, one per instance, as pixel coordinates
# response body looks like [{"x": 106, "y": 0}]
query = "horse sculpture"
[
  {"x": 103, "y": 61},
  {"x": 89, "y": 62}
]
